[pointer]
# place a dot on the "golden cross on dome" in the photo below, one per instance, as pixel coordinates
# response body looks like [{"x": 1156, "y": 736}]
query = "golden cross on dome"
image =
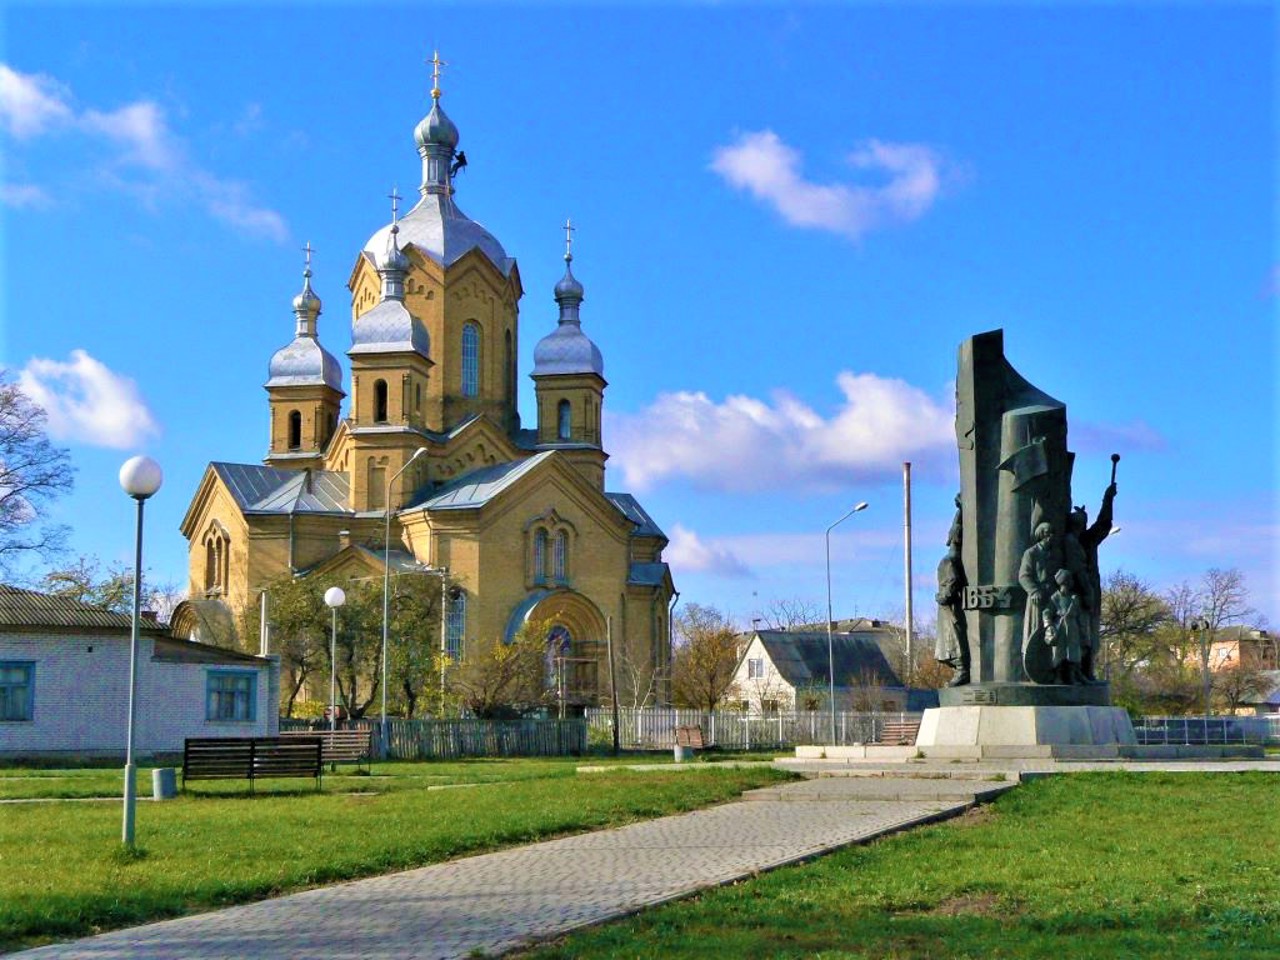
[{"x": 436, "y": 64}]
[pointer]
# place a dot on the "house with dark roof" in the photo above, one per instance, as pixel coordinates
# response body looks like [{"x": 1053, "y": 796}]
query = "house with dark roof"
[
  {"x": 782, "y": 670},
  {"x": 64, "y": 683}
]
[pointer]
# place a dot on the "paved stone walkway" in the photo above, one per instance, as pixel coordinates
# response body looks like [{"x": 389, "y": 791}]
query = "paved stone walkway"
[{"x": 498, "y": 901}]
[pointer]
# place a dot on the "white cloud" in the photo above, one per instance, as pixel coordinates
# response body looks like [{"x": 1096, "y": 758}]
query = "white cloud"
[
  {"x": 20, "y": 195},
  {"x": 31, "y": 103},
  {"x": 746, "y": 444},
  {"x": 150, "y": 160},
  {"x": 769, "y": 169},
  {"x": 88, "y": 402},
  {"x": 689, "y": 552},
  {"x": 141, "y": 131}
]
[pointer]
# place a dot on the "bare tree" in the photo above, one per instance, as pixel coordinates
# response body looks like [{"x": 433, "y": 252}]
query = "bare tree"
[
  {"x": 112, "y": 589},
  {"x": 33, "y": 473},
  {"x": 705, "y": 657},
  {"x": 639, "y": 683},
  {"x": 1240, "y": 683},
  {"x": 1132, "y": 618},
  {"x": 790, "y": 613},
  {"x": 494, "y": 680}
]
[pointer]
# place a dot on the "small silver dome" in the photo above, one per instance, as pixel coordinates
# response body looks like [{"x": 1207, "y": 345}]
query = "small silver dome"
[
  {"x": 307, "y": 301},
  {"x": 436, "y": 128},
  {"x": 394, "y": 261},
  {"x": 567, "y": 349},
  {"x": 304, "y": 363},
  {"x": 389, "y": 328}
]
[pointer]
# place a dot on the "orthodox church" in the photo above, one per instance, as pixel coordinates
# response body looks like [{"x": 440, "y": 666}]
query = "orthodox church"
[{"x": 516, "y": 521}]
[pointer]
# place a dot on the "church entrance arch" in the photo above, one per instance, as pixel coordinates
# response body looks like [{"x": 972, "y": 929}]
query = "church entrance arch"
[{"x": 572, "y": 629}]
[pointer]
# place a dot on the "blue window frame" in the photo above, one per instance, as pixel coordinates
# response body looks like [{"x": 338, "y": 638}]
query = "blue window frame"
[
  {"x": 455, "y": 626},
  {"x": 17, "y": 689},
  {"x": 231, "y": 696},
  {"x": 470, "y": 360}
]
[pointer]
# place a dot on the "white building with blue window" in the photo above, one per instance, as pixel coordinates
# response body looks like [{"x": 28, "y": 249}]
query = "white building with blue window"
[{"x": 64, "y": 683}]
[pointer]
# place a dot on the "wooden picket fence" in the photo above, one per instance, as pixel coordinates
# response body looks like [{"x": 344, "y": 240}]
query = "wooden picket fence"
[{"x": 455, "y": 739}]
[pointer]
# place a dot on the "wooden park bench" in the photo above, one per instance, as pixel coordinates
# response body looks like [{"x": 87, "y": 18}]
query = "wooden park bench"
[
  {"x": 899, "y": 732},
  {"x": 251, "y": 758},
  {"x": 339, "y": 746},
  {"x": 690, "y": 737}
]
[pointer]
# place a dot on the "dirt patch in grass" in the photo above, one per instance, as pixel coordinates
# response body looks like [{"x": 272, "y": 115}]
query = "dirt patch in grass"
[
  {"x": 976, "y": 816},
  {"x": 970, "y": 905}
]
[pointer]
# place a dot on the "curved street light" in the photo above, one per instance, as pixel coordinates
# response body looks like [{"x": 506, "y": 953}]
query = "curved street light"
[
  {"x": 831, "y": 656},
  {"x": 140, "y": 478}
]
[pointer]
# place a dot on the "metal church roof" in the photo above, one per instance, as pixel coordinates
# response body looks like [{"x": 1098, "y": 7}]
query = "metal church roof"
[
  {"x": 631, "y": 509},
  {"x": 478, "y": 487},
  {"x": 259, "y": 489}
]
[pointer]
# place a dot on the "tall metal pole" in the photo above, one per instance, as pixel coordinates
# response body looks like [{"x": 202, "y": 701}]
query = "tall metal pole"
[
  {"x": 333, "y": 672},
  {"x": 831, "y": 656},
  {"x": 444, "y": 623},
  {"x": 130, "y": 771},
  {"x": 906, "y": 540},
  {"x": 613, "y": 683}
]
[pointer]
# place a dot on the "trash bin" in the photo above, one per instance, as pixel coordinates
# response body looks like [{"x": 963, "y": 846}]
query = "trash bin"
[
  {"x": 164, "y": 783},
  {"x": 683, "y": 753}
]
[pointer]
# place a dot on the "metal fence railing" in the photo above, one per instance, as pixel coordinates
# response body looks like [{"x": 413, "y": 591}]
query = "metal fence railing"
[
  {"x": 654, "y": 728},
  {"x": 454, "y": 739},
  {"x": 1207, "y": 730}
]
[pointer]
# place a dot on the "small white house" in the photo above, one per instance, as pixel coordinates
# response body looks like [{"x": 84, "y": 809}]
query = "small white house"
[
  {"x": 782, "y": 670},
  {"x": 64, "y": 683}
]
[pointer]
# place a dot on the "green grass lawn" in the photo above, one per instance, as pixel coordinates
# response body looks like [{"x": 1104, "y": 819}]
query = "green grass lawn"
[
  {"x": 1140, "y": 865},
  {"x": 62, "y": 874}
]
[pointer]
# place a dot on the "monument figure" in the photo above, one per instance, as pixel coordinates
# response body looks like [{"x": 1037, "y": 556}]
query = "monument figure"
[
  {"x": 1015, "y": 528},
  {"x": 1065, "y": 625},
  {"x": 952, "y": 647}
]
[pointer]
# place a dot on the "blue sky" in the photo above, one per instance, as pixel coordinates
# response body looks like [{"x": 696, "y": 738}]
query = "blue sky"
[{"x": 788, "y": 219}]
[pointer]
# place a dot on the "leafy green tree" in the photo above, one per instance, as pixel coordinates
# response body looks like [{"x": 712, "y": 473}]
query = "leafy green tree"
[{"x": 86, "y": 581}]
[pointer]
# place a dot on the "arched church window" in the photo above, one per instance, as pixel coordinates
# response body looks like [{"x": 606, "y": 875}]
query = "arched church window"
[
  {"x": 455, "y": 623},
  {"x": 540, "y": 556},
  {"x": 417, "y": 398},
  {"x": 217, "y": 559},
  {"x": 563, "y": 417},
  {"x": 560, "y": 556},
  {"x": 470, "y": 360},
  {"x": 210, "y": 566},
  {"x": 380, "y": 401},
  {"x": 295, "y": 429}
]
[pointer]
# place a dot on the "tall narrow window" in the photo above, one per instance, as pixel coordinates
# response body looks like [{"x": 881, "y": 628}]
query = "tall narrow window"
[
  {"x": 295, "y": 429},
  {"x": 540, "y": 556},
  {"x": 509, "y": 370},
  {"x": 377, "y": 485},
  {"x": 559, "y": 556},
  {"x": 564, "y": 414},
  {"x": 470, "y": 360},
  {"x": 456, "y": 623},
  {"x": 380, "y": 401},
  {"x": 417, "y": 398}
]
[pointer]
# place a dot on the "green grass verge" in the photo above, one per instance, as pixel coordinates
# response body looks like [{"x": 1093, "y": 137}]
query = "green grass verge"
[
  {"x": 1096, "y": 866},
  {"x": 62, "y": 874}
]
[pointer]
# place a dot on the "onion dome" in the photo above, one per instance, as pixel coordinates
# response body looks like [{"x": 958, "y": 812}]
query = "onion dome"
[
  {"x": 304, "y": 362},
  {"x": 389, "y": 327},
  {"x": 436, "y": 129},
  {"x": 567, "y": 350}
]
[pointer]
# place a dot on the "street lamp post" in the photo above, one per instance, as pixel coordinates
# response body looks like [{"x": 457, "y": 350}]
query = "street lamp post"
[
  {"x": 386, "y": 591},
  {"x": 334, "y": 597},
  {"x": 831, "y": 654},
  {"x": 1201, "y": 627},
  {"x": 140, "y": 477}
]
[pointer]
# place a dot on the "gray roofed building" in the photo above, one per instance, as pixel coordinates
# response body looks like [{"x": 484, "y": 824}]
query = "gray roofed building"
[
  {"x": 28, "y": 608},
  {"x": 631, "y": 509},
  {"x": 801, "y": 658},
  {"x": 259, "y": 489}
]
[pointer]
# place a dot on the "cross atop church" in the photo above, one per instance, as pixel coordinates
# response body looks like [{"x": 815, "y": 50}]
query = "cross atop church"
[
  {"x": 308, "y": 250},
  {"x": 568, "y": 238},
  {"x": 394, "y": 197},
  {"x": 436, "y": 64}
]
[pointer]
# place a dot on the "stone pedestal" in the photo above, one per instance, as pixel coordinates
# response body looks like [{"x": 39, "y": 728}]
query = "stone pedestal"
[{"x": 1025, "y": 731}]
